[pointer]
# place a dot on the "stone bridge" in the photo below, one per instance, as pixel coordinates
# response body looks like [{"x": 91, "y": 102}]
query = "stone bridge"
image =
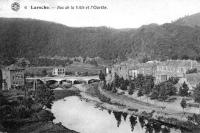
[{"x": 71, "y": 79}]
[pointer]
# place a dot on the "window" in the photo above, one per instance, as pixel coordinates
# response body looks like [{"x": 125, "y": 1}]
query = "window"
[{"x": 163, "y": 78}]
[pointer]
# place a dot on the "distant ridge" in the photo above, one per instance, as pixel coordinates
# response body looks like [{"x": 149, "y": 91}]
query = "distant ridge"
[
  {"x": 33, "y": 38},
  {"x": 192, "y": 20}
]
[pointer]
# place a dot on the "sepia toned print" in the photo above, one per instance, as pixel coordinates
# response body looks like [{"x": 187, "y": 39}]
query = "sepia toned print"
[{"x": 99, "y": 66}]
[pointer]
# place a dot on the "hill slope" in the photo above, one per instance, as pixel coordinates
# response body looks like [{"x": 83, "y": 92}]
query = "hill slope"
[
  {"x": 34, "y": 38},
  {"x": 192, "y": 20},
  {"x": 21, "y": 37}
]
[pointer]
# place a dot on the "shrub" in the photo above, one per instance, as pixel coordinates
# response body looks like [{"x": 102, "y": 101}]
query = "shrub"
[
  {"x": 114, "y": 90},
  {"x": 183, "y": 91},
  {"x": 154, "y": 95},
  {"x": 45, "y": 96},
  {"x": 130, "y": 92},
  {"x": 6, "y": 112},
  {"x": 21, "y": 111},
  {"x": 45, "y": 115},
  {"x": 173, "y": 80},
  {"x": 3, "y": 100},
  {"x": 193, "y": 70},
  {"x": 139, "y": 94}
]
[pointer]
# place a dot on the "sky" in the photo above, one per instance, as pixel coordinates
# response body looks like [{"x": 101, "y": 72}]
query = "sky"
[{"x": 117, "y": 14}]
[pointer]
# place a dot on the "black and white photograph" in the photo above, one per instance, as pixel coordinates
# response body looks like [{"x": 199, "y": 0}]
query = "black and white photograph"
[{"x": 99, "y": 66}]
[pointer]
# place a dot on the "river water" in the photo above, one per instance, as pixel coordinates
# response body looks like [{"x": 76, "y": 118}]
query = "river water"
[{"x": 85, "y": 117}]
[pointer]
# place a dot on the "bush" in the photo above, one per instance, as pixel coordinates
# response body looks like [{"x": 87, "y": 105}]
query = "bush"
[
  {"x": 154, "y": 95},
  {"x": 123, "y": 86},
  {"x": 3, "y": 100},
  {"x": 44, "y": 96},
  {"x": 130, "y": 92},
  {"x": 45, "y": 115},
  {"x": 36, "y": 107},
  {"x": 193, "y": 70},
  {"x": 173, "y": 80},
  {"x": 6, "y": 112},
  {"x": 114, "y": 90},
  {"x": 183, "y": 91},
  {"x": 139, "y": 94},
  {"x": 21, "y": 111}
]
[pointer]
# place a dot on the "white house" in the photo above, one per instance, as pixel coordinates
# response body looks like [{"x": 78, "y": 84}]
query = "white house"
[{"x": 58, "y": 71}]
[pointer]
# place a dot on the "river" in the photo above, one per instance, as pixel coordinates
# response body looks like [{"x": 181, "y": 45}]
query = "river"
[{"x": 85, "y": 117}]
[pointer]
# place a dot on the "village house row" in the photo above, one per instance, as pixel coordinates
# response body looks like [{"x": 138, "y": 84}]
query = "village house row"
[
  {"x": 161, "y": 71},
  {"x": 14, "y": 76}
]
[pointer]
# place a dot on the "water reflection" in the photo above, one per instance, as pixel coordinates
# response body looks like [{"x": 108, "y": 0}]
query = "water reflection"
[
  {"x": 83, "y": 117},
  {"x": 142, "y": 122},
  {"x": 149, "y": 127},
  {"x": 117, "y": 117},
  {"x": 124, "y": 115},
  {"x": 109, "y": 111},
  {"x": 165, "y": 130},
  {"x": 133, "y": 121},
  {"x": 157, "y": 127}
]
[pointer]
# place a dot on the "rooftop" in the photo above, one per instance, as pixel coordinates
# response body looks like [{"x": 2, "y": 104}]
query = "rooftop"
[
  {"x": 179, "y": 63},
  {"x": 13, "y": 67}
]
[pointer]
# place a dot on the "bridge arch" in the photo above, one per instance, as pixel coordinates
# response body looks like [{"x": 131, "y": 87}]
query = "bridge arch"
[
  {"x": 93, "y": 81},
  {"x": 78, "y": 81}
]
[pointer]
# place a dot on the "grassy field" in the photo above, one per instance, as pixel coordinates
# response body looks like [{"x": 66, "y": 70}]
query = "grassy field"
[
  {"x": 73, "y": 68},
  {"x": 82, "y": 68}
]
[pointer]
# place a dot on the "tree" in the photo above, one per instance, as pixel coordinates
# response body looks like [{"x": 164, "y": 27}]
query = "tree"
[
  {"x": 185, "y": 57},
  {"x": 193, "y": 70},
  {"x": 22, "y": 62},
  {"x": 154, "y": 95},
  {"x": 174, "y": 57},
  {"x": 117, "y": 81},
  {"x": 163, "y": 92},
  {"x": 183, "y": 91},
  {"x": 170, "y": 89},
  {"x": 44, "y": 95},
  {"x": 102, "y": 76},
  {"x": 123, "y": 84},
  {"x": 196, "y": 95},
  {"x": 118, "y": 117},
  {"x": 132, "y": 88},
  {"x": 183, "y": 103},
  {"x": 133, "y": 121},
  {"x": 173, "y": 80},
  {"x": 139, "y": 81},
  {"x": 139, "y": 94},
  {"x": 148, "y": 84}
]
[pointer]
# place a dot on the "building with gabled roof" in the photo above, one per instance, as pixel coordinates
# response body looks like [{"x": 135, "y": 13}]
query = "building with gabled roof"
[
  {"x": 12, "y": 76},
  {"x": 174, "y": 68},
  {"x": 59, "y": 71}
]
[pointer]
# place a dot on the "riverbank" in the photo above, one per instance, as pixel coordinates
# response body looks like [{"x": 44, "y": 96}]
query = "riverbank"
[
  {"x": 49, "y": 126},
  {"x": 44, "y": 127},
  {"x": 62, "y": 93},
  {"x": 40, "y": 120},
  {"x": 122, "y": 103}
]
